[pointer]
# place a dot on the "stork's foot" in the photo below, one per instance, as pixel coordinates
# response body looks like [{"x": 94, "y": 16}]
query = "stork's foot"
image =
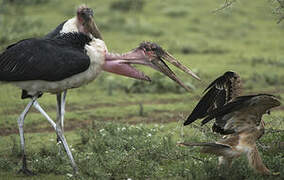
[
  {"x": 75, "y": 173},
  {"x": 26, "y": 172}
]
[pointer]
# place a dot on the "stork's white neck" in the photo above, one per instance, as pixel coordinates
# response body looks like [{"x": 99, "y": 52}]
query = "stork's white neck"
[
  {"x": 73, "y": 25},
  {"x": 70, "y": 26}
]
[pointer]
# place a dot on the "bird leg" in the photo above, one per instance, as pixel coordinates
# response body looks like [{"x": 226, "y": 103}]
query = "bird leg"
[
  {"x": 60, "y": 133},
  {"x": 60, "y": 120},
  {"x": 255, "y": 162},
  {"x": 24, "y": 168},
  {"x": 63, "y": 101},
  {"x": 61, "y": 114},
  {"x": 39, "y": 108}
]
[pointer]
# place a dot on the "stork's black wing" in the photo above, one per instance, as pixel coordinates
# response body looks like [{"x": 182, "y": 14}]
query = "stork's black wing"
[
  {"x": 243, "y": 112},
  {"x": 45, "y": 59},
  {"x": 219, "y": 92}
]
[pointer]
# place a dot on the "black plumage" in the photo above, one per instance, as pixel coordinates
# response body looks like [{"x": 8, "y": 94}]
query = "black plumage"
[
  {"x": 231, "y": 111},
  {"x": 49, "y": 59},
  {"x": 227, "y": 118},
  {"x": 219, "y": 92},
  {"x": 237, "y": 104}
]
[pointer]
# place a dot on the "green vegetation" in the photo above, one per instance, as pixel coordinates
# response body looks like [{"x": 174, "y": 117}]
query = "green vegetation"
[{"x": 109, "y": 135}]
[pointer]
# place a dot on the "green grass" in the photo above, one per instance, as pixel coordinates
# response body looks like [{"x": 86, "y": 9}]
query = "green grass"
[
  {"x": 245, "y": 39},
  {"x": 120, "y": 151}
]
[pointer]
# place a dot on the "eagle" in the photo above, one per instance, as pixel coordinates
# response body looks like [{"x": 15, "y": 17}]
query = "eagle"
[{"x": 238, "y": 118}]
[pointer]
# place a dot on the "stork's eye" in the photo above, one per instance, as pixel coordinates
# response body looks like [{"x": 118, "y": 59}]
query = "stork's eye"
[
  {"x": 154, "y": 48},
  {"x": 82, "y": 13}
]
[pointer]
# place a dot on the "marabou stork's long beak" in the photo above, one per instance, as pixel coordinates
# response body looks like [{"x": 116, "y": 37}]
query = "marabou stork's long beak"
[
  {"x": 94, "y": 30},
  {"x": 86, "y": 15},
  {"x": 148, "y": 54}
]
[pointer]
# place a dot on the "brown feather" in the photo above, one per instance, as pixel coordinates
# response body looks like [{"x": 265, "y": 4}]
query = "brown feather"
[
  {"x": 221, "y": 91},
  {"x": 238, "y": 116}
]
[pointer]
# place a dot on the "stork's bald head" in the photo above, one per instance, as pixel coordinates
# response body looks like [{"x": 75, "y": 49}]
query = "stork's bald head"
[
  {"x": 86, "y": 22},
  {"x": 85, "y": 14}
]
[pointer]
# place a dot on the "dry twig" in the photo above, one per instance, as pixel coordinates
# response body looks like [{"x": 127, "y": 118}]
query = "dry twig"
[
  {"x": 226, "y": 4},
  {"x": 278, "y": 10}
]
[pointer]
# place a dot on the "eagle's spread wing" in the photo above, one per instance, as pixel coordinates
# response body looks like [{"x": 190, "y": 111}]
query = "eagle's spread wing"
[
  {"x": 219, "y": 92},
  {"x": 242, "y": 113},
  {"x": 241, "y": 118}
]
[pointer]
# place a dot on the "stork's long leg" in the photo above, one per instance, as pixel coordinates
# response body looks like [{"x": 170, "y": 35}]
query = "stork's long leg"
[
  {"x": 60, "y": 133},
  {"x": 21, "y": 131},
  {"x": 59, "y": 125},
  {"x": 63, "y": 101},
  {"x": 39, "y": 108},
  {"x": 61, "y": 114}
]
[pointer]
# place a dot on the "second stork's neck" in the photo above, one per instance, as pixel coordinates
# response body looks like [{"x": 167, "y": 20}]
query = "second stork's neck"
[{"x": 97, "y": 51}]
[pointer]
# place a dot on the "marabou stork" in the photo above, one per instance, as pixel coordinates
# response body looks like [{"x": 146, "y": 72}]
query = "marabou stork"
[
  {"x": 82, "y": 22},
  {"x": 237, "y": 117},
  {"x": 71, "y": 60}
]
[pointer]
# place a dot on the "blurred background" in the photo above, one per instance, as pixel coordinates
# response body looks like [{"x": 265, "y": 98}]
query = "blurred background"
[{"x": 244, "y": 37}]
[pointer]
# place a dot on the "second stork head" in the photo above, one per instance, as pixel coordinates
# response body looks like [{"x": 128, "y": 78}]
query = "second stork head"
[
  {"x": 86, "y": 23},
  {"x": 148, "y": 54}
]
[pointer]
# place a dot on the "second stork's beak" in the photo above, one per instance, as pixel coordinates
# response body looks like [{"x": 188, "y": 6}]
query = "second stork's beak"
[
  {"x": 148, "y": 54},
  {"x": 94, "y": 30}
]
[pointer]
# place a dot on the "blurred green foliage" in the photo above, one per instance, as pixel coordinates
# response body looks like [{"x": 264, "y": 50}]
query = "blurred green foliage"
[
  {"x": 25, "y": 2},
  {"x": 127, "y": 5},
  {"x": 159, "y": 84}
]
